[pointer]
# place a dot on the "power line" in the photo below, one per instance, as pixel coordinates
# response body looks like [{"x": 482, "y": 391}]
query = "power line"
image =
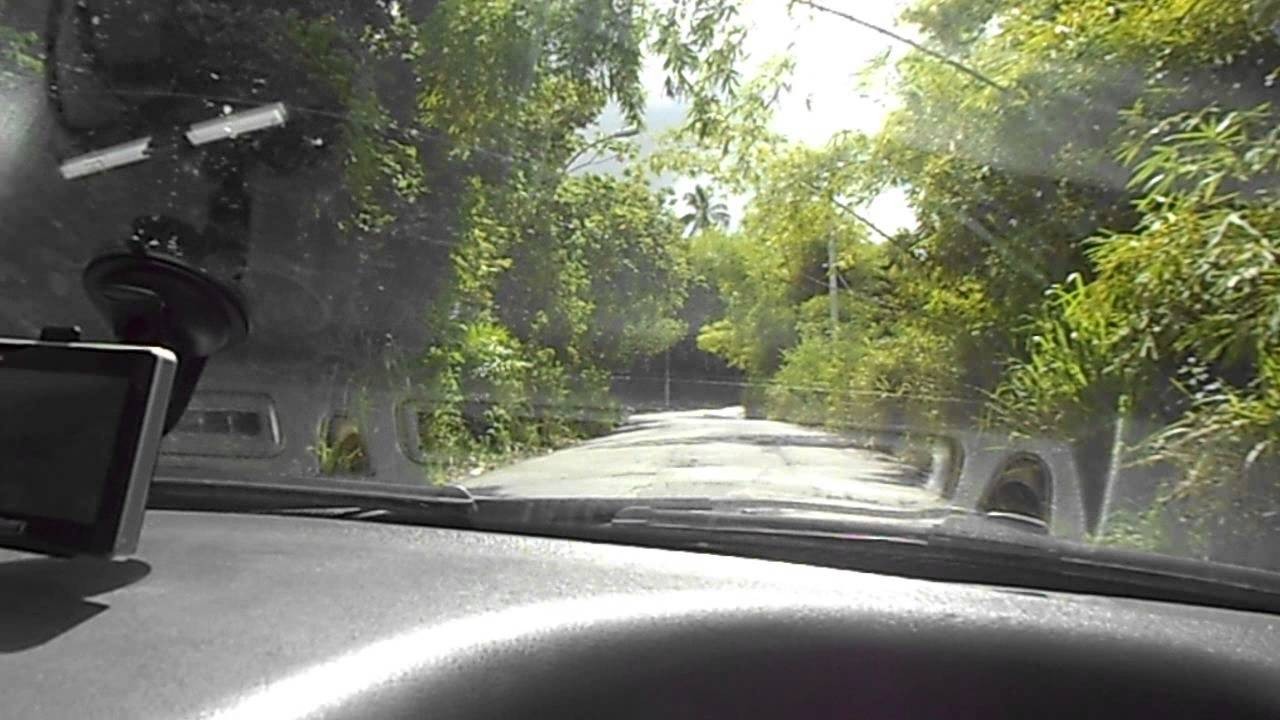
[{"x": 980, "y": 77}]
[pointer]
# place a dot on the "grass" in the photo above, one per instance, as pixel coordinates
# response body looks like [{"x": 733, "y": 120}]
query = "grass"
[{"x": 340, "y": 448}]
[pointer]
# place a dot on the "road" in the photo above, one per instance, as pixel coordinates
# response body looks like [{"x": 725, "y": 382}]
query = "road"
[{"x": 716, "y": 454}]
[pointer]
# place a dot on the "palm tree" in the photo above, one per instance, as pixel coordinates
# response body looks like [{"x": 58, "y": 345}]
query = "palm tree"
[{"x": 704, "y": 212}]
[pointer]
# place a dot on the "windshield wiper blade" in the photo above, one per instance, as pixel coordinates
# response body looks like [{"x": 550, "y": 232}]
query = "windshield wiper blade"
[
  {"x": 336, "y": 498},
  {"x": 447, "y": 505},
  {"x": 778, "y": 518},
  {"x": 961, "y": 548}
]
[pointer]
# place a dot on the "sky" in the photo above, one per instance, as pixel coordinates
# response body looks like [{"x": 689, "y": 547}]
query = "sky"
[{"x": 825, "y": 95}]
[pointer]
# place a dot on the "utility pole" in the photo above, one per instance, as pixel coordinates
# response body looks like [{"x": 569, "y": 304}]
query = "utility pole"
[
  {"x": 833, "y": 287},
  {"x": 666, "y": 380}
]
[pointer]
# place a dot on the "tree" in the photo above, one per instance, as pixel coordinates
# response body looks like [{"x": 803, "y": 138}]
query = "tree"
[
  {"x": 703, "y": 212},
  {"x": 1180, "y": 326}
]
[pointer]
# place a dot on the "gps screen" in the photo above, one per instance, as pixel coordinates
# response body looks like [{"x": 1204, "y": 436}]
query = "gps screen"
[{"x": 57, "y": 439}]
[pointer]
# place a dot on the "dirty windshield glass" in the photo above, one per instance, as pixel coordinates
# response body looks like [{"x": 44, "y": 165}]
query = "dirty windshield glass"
[{"x": 1012, "y": 261}]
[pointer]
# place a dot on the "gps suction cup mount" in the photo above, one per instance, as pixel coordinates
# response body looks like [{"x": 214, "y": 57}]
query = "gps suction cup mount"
[{"x": 158, "y": 300}]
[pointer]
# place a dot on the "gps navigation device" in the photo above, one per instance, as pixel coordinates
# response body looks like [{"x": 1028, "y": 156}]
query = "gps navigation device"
[{"x": 80, "y": 426}]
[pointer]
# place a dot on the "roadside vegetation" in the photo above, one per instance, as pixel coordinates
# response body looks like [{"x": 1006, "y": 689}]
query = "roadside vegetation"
[{"x": 1095, "y": 187}]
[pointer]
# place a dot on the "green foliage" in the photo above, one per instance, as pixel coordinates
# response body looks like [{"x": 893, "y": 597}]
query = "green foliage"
[
  {"x": 727, "y": 135},
  {"x": 1008, "y": 185},
  {"x": 1226, "y": 446},
  {"x": 1094, "y": 185},
  {"x": 489, "y": 398},
  {"x": 1190, "y": 293},
  {"x": 1144, "y": 530},
  {"x": 339, "y": 448},
  {"x": 490, "y": 70},
  {"x": 701, "y": 46},
  {"x": 753, "y": 282},
  {"x": 1070, "y": 377},
  {"x": 552, "y": 277},
  {"x": 1183, "y": 317},
  {"x": 885, "y": 365},
  {"x": 552, "y": 285},
  {"x": 20, "y": 54},
  {"x": 617, "y": 265},
  {"x": 587, "y": 265},
  {"x": 479, "y": 85},
  {"x": 884, "y": 354}
]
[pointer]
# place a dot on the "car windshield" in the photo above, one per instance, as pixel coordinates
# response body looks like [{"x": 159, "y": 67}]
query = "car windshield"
[{"x": 1012, "y": 262}]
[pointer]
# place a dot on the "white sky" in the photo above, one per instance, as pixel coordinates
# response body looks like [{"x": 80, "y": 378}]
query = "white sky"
[{"x": 825, "y": 95}]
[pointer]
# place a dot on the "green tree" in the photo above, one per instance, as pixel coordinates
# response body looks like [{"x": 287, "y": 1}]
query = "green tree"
[
  {"x": 1181, "y": 320},
  {"x": 704, "y": 212}
]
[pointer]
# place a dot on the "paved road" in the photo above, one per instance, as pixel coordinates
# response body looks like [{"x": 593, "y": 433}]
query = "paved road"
[{"x": 716, "y": 454}]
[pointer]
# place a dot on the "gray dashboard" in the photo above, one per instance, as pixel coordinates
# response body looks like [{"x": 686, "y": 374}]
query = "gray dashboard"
[{"x": 238, "y": 616}]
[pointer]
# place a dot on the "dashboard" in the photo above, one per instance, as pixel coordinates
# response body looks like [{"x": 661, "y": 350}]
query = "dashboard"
[{"x": 256, "y": 616}]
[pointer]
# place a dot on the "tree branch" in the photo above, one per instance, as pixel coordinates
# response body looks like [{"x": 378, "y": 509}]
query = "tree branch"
[
  {"x": 597, "y": 142},
  {"x": 976, "y": 75},
  {"x": 596, "y": 159}
]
